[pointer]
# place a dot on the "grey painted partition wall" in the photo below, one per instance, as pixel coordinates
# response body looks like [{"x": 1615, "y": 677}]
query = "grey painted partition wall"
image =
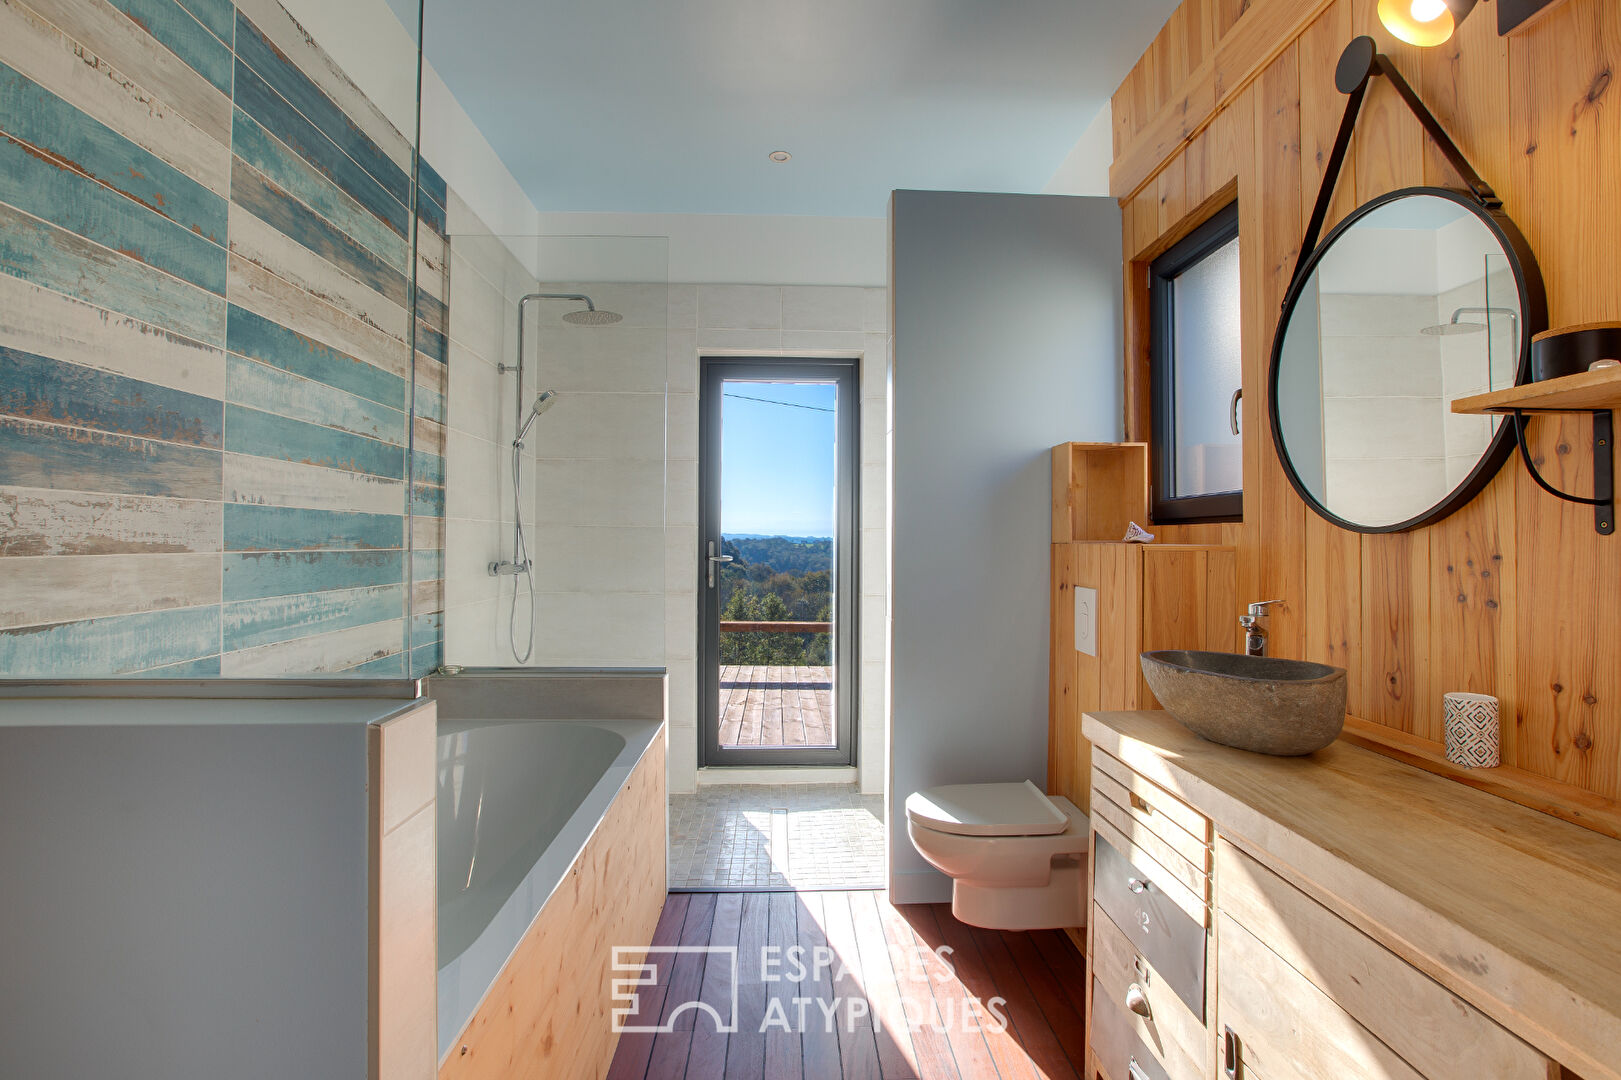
[{"x": 1007, "y": 341}]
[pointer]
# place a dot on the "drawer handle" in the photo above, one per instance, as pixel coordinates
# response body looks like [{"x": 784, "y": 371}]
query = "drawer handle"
[
  {"x": 1229, "y": 1053},
  {"x": 1137, "y": 1002},
  {"x": 1137, "y": 885},
  {"x": 1139, "y": 803},
  {"x": 1135, "y": 1071}
]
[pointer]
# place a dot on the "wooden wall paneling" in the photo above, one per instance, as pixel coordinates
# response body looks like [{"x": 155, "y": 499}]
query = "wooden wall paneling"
[
  {"x": 1334, "y": 583},
  {"x": 1321, "y": 108},
  {"x": 1174, "y": 598},
  {"x": 1395, "y": 659},
  {"x": 1137, "y": 401},
  {"x": 1171, "y": 188},
  {"x": 1255, "y": 40},
  {"x": 1471, "y": 630},
  {"x": 1120, "y": 615},
  {"x": 1389, "y": 139},
  {"x": 1566, "y": 142},
  {"x": 1465, "y": 84},
  {"x": 1064, "y": 708},
  {"x": 1221, "y": 602}
]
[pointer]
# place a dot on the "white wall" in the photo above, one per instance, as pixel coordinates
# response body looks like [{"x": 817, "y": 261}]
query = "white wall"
[
  {"x": 1007, "y": 341},
  {"x": 1085, "y": 169},
  {"x": 748, "y": 248},
  {"x": 771, "y": 320}
]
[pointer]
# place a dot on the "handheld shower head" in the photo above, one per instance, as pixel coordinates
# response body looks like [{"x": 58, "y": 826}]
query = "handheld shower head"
[{"x": 543, "y": 401}]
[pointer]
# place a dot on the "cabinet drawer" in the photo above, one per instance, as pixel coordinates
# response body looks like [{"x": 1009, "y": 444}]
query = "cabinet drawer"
[
  {"x": 1131, "y": 892},
  {"x": 1195, "y": 876},
  {"x": 1286, "y": 1028},
  {"x": 1145, "y": 817},
  {"x": 1161, "y": 803},
  {"x": 1169, "y": 1029},
  {"x": 1119, "y": 1052},
  {"x": 1440, "y": 1034}
]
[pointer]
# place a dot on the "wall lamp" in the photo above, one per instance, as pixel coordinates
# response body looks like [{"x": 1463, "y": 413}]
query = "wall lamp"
[{"x": 1430, "y": 22}]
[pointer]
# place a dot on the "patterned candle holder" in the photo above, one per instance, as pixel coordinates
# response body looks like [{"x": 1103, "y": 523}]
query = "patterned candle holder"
[{"x": 1472, "y": 731}]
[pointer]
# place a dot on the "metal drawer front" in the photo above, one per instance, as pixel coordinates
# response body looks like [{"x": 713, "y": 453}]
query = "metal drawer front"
[
  {"x": 1155, "y": 925},
  {"x": 1121, "y": 1054}
]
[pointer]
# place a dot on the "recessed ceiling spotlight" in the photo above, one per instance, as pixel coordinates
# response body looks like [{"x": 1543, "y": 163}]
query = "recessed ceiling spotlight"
[{"x": 779, "y": 155}]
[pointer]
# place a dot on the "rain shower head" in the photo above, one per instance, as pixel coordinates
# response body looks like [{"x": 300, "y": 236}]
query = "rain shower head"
[
  {"x": 1457, "y": 325},
  {"x": 592, "y": 317}
]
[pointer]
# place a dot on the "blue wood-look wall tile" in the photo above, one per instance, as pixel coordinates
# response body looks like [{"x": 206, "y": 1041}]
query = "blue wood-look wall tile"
[
  {"x": 33, "y": 184},
  {"x": 255, "y": 97},
  {"x": 380, "y": 668},
  {"x": 253, "y": 335},
  {"x": 52, "y": 456},
  {"x": 315, "y": 189},
  {"x": 428, "y": 501},
  {"x": 206, "y": 667},
  {"x": 268, "y": 203},
  {"x": 272, "y": 390},
  {"x": 433, "y": 311},
  {"x": 430, "y": 405},
  {"x": 184, "y": 36},
  {"x": 111, "y": 646},
  {"x": 46, "y": 255},
  {"x": 426, "y": 659},
  {"x": 251, "y": 527},
  {"x": 432, "y": 215},
  {"x": 427, "y": 564},
  {"x": 258, "y": 574},
  {"x": 431, "y": 342},
  {"x": 301, "y": 92},
  {"x": 249, "y": 431},
  {"x": 219, "y": 16},
  {"x": 39, "y": 388},
  {"x": 282, "y": 618},
  {"x": 38, "y": 117},
  {"x": 428, "y": 468},
  {"x": 431, "y": 184},
  {"x": 292, "y": 218}
]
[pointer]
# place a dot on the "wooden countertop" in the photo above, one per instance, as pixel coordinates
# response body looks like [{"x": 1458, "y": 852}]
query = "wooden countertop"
[{"x": 1513, "y": 910}]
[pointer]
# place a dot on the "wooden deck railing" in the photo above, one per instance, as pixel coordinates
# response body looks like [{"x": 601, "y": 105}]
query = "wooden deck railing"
[{"x": 731, "y": 627}]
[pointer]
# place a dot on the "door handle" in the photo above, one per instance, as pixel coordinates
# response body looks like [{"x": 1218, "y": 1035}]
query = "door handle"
[
  {"x": 1232, "y": 411},
  {"x": 1135, "y": 1071},
  {"x": 1230, "y": 1053},
  {"x": 713, "y": 559}
]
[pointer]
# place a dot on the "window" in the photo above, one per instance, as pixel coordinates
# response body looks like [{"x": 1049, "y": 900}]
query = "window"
[{"x": 1194, "y": 368}]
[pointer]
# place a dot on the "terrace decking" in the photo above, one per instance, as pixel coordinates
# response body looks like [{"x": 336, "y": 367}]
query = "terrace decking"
[{"x": 776, "y": 706}]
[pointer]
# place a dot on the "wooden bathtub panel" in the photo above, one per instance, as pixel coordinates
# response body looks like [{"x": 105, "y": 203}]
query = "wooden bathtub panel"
[{"x": 548, "y": 1013}]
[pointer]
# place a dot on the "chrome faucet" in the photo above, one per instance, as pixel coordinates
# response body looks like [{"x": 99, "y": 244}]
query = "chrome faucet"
[{"x": 1254, "y": 631}]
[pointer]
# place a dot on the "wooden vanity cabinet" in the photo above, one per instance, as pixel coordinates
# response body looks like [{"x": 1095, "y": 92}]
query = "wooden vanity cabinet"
[{"x": 1226, "y": 940}]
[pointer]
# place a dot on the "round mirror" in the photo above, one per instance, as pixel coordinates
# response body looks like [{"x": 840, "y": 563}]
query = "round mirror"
[{"x": 1418, "y": 297}]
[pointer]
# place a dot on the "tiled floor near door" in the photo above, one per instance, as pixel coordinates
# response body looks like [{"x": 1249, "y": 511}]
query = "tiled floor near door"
[{"x": 801, "y": 836}]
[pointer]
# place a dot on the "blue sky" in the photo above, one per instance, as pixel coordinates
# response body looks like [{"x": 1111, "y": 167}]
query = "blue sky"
[{"x": 778, "y": 458}]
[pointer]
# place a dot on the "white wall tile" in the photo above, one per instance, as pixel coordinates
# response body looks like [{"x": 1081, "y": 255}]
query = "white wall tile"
[
  {"x": 875, "y": 310},
  {"x": 602, "y": 359},
  {"x": 738, "y": 340},
  {"x": 600, "y": 492},
  {"x": 681, "y": 369},
  {"x": 623, "y": 427},
  {"x": 824, "y": 342},
  {"x": 682, "y": 426},
  {"x": 597, "y": 559},
  {"x": 682, "y": 307},
  {"x": 824, "y": 307},
  {"x": 740, "y": 307}
]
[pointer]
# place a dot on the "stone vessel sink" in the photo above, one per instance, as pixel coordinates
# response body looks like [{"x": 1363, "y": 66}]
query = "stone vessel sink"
[{"x": 1259, "y": 703}]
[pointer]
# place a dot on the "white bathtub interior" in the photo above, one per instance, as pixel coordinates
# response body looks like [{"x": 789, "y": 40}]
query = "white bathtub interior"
[{"x": 518, "y": 799}]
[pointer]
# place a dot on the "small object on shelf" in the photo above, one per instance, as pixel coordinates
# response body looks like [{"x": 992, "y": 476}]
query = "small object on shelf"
[
  {"x": 1472, "y": 731},
  {"x": 1136, "y": 534},
  {"x": 1600, "y": 365},
  {"x": 1567, "y": 350}
]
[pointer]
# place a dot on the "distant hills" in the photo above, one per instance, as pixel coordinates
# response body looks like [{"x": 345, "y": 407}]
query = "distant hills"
[{"x": 794, "y": 555}]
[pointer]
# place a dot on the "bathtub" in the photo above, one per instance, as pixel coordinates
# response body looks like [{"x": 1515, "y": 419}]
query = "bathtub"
[{"x": 521, "y": 801}]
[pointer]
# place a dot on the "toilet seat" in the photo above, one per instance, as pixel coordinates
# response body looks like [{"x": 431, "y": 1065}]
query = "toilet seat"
[{"x": 986, "y": 810}]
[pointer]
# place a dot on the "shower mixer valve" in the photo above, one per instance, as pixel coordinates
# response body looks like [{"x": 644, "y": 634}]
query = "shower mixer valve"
[{"x": 507, "y": 568}]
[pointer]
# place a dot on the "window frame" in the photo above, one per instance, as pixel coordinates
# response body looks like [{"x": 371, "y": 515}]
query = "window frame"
[{"x": 1220, "y": 229}]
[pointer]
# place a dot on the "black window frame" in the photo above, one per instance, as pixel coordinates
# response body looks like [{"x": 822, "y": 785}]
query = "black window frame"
[{"x": 1220, "y": 229}]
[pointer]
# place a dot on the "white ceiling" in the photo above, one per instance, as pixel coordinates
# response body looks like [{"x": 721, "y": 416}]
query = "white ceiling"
[{"x": 648, "y": 107}]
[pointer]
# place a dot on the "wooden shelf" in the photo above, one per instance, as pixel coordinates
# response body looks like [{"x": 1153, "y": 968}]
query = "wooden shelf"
[
  {"x": 1582, "y": 392},
  {"x": 1573, "y": 804},
  {"x": 1099, "y": 489}
]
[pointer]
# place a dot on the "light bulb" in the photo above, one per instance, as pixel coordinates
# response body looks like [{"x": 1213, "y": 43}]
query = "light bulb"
[{"x": 1428, "y": 10}]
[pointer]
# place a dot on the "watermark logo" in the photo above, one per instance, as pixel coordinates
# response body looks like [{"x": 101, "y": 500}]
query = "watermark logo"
[
  {"x": 636, "y": 961},
  {"x": 811, "y": 975}
]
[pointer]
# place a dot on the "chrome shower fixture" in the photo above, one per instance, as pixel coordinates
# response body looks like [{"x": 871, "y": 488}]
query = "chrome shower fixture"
[
  {"x": 1454, "y": 326},
  {"x": 543, "y": 401}
]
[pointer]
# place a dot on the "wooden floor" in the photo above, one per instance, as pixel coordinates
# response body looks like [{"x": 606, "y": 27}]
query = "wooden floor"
[
  {"x": 910, "y": 1018},
  {"x": 776, "y": 706}
]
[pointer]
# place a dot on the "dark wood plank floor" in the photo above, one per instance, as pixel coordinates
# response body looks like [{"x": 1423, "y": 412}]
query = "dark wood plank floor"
[
  {"x": 903, "y": 993},
  {"x": 776, "y": 706}
]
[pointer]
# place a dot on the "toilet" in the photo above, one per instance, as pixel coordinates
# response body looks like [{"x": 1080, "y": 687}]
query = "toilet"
[{"x": 1016, "y": 857}]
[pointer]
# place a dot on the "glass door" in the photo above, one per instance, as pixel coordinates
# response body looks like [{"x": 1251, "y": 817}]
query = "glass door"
[{"x": 777, "y": 561}]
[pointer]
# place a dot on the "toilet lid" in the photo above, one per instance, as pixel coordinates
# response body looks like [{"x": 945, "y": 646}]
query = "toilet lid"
[{"x": 986, "y": 810}]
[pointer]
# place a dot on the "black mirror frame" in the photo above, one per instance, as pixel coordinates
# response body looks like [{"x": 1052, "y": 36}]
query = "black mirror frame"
[{"x": 1360, "y": 62}]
